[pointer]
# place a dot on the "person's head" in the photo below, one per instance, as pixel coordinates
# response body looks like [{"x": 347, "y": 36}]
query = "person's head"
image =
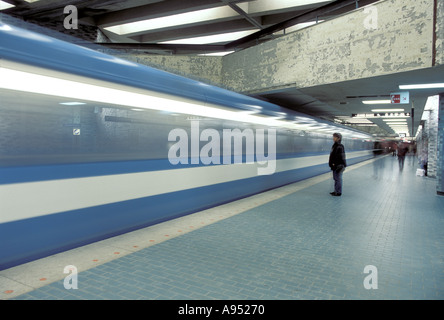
[{"x": 337, "y": 137}]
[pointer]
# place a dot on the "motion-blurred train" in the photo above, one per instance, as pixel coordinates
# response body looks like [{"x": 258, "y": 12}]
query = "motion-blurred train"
[{"x": 86, "y": 144}]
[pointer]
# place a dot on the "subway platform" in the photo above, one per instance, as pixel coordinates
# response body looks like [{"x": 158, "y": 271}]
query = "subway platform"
[{"x": 294, "y": 242}]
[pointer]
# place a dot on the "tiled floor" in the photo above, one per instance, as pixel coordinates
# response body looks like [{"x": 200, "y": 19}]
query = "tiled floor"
[{"x": 295, "y": 242}]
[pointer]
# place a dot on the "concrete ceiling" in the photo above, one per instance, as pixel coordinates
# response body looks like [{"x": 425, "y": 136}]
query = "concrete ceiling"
[
  {"x": 345, "y": 98},
  {"x": 226, "y": 16}
]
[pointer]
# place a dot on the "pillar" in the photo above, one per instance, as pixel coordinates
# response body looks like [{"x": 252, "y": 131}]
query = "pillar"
[{"x": 440, "y": 148}]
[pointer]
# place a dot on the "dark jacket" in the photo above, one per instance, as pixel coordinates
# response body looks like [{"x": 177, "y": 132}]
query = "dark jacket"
[
  {"x": 402, "y": 151},
  {"x": 337, "y": 157}
]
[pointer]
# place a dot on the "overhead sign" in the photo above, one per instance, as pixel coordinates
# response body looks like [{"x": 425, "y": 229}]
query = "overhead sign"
[{"x": 400, "y": 98}]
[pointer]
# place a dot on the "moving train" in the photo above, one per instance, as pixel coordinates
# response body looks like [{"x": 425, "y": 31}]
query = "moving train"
[{"x": 92, "y": 146}]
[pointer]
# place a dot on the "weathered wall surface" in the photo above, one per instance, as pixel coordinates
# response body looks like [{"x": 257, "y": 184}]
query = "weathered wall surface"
[
  {"x": 201, "y": 68},
  {"x": 388, "y": 37},
  {"x": 440, "y": 32},
  {"x": 431, "y": 128},
  {"x": 440, "y": 148}
]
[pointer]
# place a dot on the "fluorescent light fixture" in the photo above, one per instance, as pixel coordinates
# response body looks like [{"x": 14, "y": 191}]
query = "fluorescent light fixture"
[
  {"x": 377, "y": 102},
  {"x": 259, "y": 6},
  {"x": 31, "y": 1},
  {"x": 387, "y": 110},
  {"x": 5, "y": 5},
  {"x": 395, "y": 120},
  {"x": 422, "y": 86},
  {"x": 216, "y": 38},
  {"x": 216, "y": 54},
  {"x": 300, "y": 26},
  {"x": 72, "y": 103},
  {"x": 186, "y": 18}
]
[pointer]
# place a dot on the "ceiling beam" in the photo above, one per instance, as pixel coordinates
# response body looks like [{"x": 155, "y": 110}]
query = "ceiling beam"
[
  {"x": 154, "y": 10},
  {"x": 190, "y": 32},
  {"x": 245, "y": 15},
  {"x": 172, "y": 48},
  {"x": 308, "y": 16}
]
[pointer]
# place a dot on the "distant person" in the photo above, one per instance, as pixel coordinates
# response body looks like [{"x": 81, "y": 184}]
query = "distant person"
[
  {"x": 424, "y": 160},
  {"x": 395, "y": 147},
  {"x": 402, "y": 150},
  {"x": 337, "y": 163}
]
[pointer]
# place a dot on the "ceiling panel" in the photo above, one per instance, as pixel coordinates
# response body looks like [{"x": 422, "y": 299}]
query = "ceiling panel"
[{"x": 108, "y": 15}]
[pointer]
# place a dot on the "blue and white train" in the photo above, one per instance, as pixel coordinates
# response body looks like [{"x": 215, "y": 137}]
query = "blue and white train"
[{"x": 92, "y": 146}]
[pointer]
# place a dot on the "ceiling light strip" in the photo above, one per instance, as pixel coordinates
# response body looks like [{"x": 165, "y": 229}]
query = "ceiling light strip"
[
  {"x": 377, "y": 102},
  {"x": 5, "y": 5},
  {"x": 216, "y": 38},
  {"x": 422, "y": 86},
  {"x": 388, "y": 110},
  {"x": 186, "y": 18}
]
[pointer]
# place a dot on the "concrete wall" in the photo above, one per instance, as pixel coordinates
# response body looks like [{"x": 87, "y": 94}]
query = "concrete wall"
[
  {"x": 431, "y": 129},
  {"x": 201, "y": 68},
  {"x": 430, "y": 141},
  {"x": 440, "y": 148},
  {"x": 440, "y": 32},
  {"x": 388, "y": 37}
]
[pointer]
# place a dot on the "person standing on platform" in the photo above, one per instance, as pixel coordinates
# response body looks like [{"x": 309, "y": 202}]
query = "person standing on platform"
[
  {"x": 402, "y": 150},
  {"x": 337, "y": 163}
]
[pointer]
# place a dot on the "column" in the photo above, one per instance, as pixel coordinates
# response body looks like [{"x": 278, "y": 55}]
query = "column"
[{"x": 440, "y": 148}]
